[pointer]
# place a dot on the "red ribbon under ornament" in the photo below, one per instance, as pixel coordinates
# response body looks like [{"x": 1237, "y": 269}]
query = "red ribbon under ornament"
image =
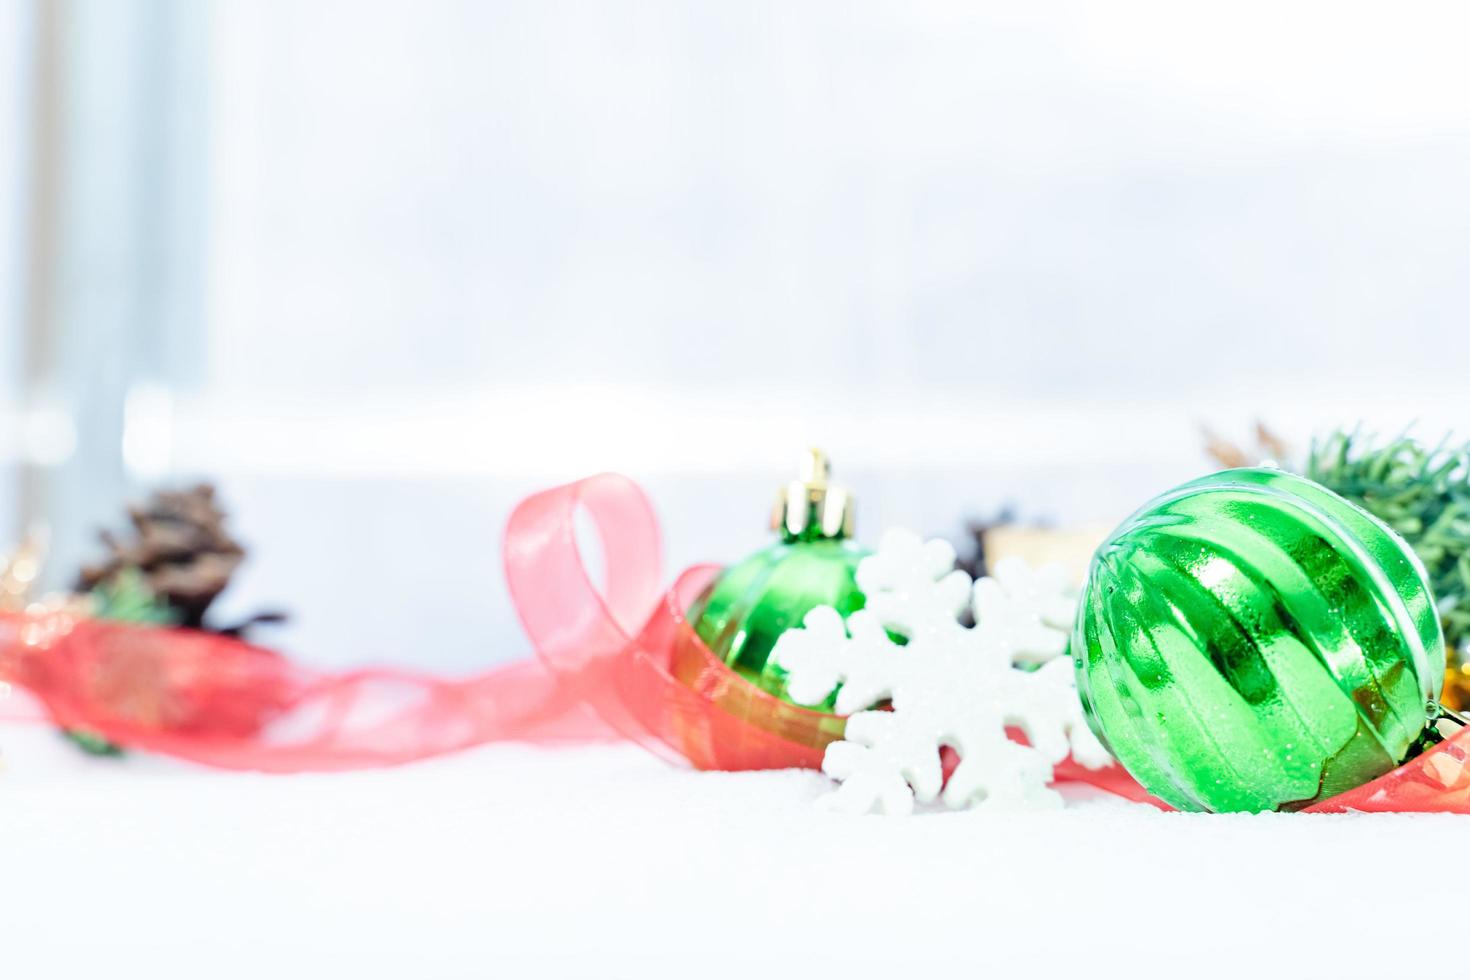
[
  {"x": 1436, "y": 782},
  {"x": 616, "y": 662}
]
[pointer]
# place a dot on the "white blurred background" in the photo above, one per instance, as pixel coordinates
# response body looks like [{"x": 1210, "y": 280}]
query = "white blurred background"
[{"x": 380, "y": 269}]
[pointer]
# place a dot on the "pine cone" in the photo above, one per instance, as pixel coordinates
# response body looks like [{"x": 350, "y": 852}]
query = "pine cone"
[
  {"x": 972, "y": 554},
  {"x": 180, "y": 550},
  {"x": 1269, "y": 447}
]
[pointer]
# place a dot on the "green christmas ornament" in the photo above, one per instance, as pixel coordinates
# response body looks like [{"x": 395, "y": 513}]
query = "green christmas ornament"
[
  {"x": 1252, "y": 641},
  {"x": 813, "y": 563}
]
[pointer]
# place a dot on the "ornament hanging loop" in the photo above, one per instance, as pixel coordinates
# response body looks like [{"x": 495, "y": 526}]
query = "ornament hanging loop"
[{"x": 1449, "y": 714}]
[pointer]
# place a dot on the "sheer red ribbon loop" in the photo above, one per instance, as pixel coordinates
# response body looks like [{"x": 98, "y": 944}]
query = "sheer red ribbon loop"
[
  {"x": 620, "y": 661},
  {"x": 632, "y": 656}
]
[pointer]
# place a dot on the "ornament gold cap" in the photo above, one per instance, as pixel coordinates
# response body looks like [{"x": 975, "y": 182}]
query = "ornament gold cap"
[{"x": 810, "y": 507}]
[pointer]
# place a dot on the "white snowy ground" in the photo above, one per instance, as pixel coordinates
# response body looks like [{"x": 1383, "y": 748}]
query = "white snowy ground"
[{"x": 514, "y": 862}]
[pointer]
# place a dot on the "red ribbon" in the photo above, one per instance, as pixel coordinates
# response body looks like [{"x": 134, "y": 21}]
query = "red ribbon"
[
  {"x": 616, "y": 661},
  {"x": 632, "y": 656},
  {"x": 1436, "y": 782}
]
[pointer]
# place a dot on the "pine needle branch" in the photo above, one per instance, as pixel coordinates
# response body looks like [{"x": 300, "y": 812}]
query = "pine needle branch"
[{"x": 1423, "y": 494}]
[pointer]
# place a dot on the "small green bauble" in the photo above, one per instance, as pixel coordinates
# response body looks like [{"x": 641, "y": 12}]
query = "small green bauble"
[
  {"x": 814, "y": 563},
  {"x": 1252, "y": 641}
]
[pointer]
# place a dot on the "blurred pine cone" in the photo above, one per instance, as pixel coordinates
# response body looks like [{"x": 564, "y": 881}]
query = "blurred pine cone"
[
  {"x": 180, "y": 551},
  {"x": 1268, "y": 448},
  {"x": 972, "y": 552}
]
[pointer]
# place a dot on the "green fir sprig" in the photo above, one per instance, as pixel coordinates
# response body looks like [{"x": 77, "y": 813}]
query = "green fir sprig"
[
  {"x": 128, "y": 598},
  {"x": 1424, "y": 495}
]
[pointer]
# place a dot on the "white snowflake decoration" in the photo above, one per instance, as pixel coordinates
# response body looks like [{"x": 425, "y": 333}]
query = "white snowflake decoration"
[{"x": 948, "y": 684}]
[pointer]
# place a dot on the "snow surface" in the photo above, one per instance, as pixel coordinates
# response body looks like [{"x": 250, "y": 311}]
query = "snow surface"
[{"x": 604, "y": 862}]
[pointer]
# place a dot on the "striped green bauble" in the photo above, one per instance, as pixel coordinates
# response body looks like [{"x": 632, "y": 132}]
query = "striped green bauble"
[{"x": 1252, "y": 641}]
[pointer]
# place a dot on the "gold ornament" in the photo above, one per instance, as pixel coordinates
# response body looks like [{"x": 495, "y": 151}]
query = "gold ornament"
[{"x": 1456, "y": 694}]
